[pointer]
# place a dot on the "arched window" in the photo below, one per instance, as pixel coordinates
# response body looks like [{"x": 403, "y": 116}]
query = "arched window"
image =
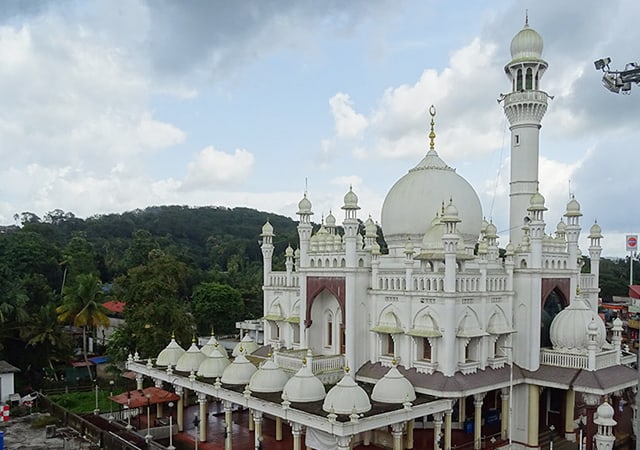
[
  {"x": 529, "y": 80},
  {"x": 329, "y": 339},
  {"x": 519, "y": 80}
]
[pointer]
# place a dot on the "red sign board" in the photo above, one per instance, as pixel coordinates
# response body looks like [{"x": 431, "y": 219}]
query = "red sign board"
[{"x": 632, "y": 242}]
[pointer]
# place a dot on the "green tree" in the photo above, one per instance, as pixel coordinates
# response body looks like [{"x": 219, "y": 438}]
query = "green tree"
[
  {"x": 156, "y": 296},
  {"x": 217, "y": 305},
  {"x": 82, "y": 307}
]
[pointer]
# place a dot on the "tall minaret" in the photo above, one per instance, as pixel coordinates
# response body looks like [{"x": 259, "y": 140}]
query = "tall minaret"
[{"x": 525, "y": 107}]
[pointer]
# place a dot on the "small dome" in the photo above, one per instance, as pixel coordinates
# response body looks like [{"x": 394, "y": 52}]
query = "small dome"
[
  {"x": 537, "y": 202},
  {"x": 239, "y": 372},
  {"x": 170, "y": 354},
  {"x": 483, "y": 226},
  {"x": 393, "y": 387},
  {"x": 304, "y": 206},
  {"x": 268, "y": 378},
  {"x": 350, "y": 200},
  {"x": 214, "y": 364},
  {"x": 595, "y": 232},
  {"x": 509, "y": 249},
  {"x": 605, "y": 415},
  {"x": 346, "y": 397},
  {"x": 491, "y": 231},
  {"x": 451, "y": 210},
  {"x": 573, "y": 208},
  {"x": 370, "y": 227},
  {"x": 561, "y": 227},
  {"x": 210, "y": 345},
  {"x": 303, "y": 387},
  {"x": 526, "y": 45},
  {"x": 247, "y": 346},
  {"x": 297, "y": 253},
  {"x": 433, "y": 237},
  {"x": 617, "y": 324},
  {"x": 569, "y": 329},
  {"x": 267, "y": 229},
  {"x": 288, "y": 252},
  {"x": 330, "y": 220},
  {"x": 190, "y": 360}
]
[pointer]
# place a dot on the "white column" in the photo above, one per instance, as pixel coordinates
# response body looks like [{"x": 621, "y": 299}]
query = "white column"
[
  {"x": 447, "y": 429},
  {"x": 257, "y": 419},
  {"x": 227, "y": 421},
  {"x": 344, "y": 442},
  {"x": 396, "y": 432},
  {"x": 477, "y": 420},
  {"x": 296, "y": 431},
  {"x": 204, "y": 413},
  {"x": 278, "y": 429},
  {"x": 504, "y": 413},
  {"x": 437, "y": 430},
  {"x": 180, "y": 408}
]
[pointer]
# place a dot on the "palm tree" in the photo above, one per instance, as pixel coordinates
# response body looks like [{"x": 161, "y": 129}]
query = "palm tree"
[
  {"x": 46, "y": 336},
  {"x": 82, "y": 307}
]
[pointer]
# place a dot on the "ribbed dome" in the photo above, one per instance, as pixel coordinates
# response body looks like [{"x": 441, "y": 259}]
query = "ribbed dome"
[
  {"x": 267, "y": 229},
  {"x": 239, "y": 371},
  {"x": 330, "y": 220},
  {"x": 170, "y": 354},
  {"x": 268, "y": 378},
  {"x": 190, "y": 360},
  {"x": 288, "y": 252},
  {"x": 605, "y": 415},
  {"x": 526, "y": 45},
  {"x": 492, "y": 231},
  {"x": 303, "y": 387},
  {"x": 210, "y": 345},
  {"x": 573, "y": 208},
  {"x": 350, "y": 200},
  {"x": 247, "y": 345},
  {"x": 393, "y": 387},
  {"x": 561, "y": 227},
  {"x": 413, "y": 200},
  {"x": 536, "y": 203},
  {"x": 346, "y": 397},
  {"x": 214, "y": 364},
  {"x": 569, "y": 329},
  {"x": 595, "y": 231},
  {"x": 304, "y": 206}
]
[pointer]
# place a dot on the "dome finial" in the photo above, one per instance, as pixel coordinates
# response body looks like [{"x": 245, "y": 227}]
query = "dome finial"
[
  {"x": 526, "y": 17},
  {"x": 432, "y": 133}
]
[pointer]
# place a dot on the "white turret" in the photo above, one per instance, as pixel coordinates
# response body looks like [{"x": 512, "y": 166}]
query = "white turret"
[
  {"x": 304, "y": 229},
  {"x": 595, "y": 250},
  {"x": 450, "y": 242},
  {"x": 536, "y": 211},
  {"x": 267, "y": 250},
  {"x": 573, "y": 215},
  {"x": 350, "y": 225},
  {"x": 525, "y": 107}
]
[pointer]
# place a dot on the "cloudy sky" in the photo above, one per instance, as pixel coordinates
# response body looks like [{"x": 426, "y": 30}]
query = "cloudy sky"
[{"x": 111, "y": 105}]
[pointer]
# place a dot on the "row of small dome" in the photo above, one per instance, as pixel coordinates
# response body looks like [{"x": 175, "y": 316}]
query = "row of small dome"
[{"x": 346, "y": 397}]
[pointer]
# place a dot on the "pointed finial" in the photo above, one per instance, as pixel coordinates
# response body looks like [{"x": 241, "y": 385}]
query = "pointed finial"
[
  {"x": 443, "y": 208},
  {"x": 526, "y": 17},
  {"x": 432, "y": 133}
]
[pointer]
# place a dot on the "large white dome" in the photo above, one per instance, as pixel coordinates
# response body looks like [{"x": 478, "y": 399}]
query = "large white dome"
[
  {"x": 569, "y": 329},
  {"x": 415, "y": 199}
]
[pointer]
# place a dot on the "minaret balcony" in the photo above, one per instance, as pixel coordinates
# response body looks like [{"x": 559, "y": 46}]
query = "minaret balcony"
[{"x": 525, "y": 97}]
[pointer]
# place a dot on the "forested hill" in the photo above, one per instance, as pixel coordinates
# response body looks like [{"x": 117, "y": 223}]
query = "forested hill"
[{"x": 209, "y": 238}]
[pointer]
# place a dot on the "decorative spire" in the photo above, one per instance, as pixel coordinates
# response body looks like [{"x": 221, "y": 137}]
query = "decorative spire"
[
  {"x": 432, "y": 133},
  {"x": 526, "y": 17}
]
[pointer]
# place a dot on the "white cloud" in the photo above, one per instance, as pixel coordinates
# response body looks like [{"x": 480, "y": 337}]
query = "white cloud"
[
  {"x": 348, "y": 123},
  {"x": 213, "y": 168}
]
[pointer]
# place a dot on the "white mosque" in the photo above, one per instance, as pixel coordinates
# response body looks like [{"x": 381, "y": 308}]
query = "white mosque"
[{"x": 443, "y": 331}]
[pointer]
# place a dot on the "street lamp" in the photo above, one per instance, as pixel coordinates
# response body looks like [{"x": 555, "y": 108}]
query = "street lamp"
[
  {"x": 148, "y": 436},
  {"x": 97, "y": 410},
  {"x": 111, "y": 402},
  {"x": 196, "y": 422},
  {"x": 127, "y": 408},
  {"x": 171, "y": 447},
  {"x": 618, "y": 80}
]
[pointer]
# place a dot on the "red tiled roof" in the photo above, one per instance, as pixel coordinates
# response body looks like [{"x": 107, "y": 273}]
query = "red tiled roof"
[
  {"x": 114, "y": 306},
  {"x": 135, "y": 399}
]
